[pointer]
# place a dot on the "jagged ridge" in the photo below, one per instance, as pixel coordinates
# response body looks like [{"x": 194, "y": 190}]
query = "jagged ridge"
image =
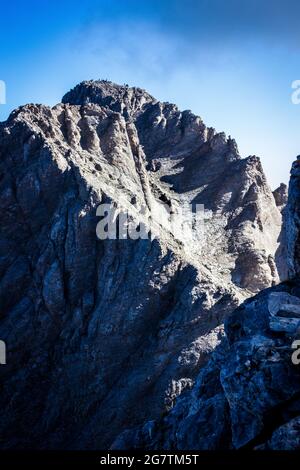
[{"x": 103, "y": 335}]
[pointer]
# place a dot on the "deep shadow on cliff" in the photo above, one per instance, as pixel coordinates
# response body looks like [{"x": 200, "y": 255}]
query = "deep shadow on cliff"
[{"x": 248, "y": 394}]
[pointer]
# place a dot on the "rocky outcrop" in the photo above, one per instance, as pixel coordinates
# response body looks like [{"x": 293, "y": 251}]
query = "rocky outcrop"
[
  {"x": 248, "y": 394},
  {"x": 292, "y": 222},
  {"x": 281, "y": 196},
  {"x": 103, "y": 335}
]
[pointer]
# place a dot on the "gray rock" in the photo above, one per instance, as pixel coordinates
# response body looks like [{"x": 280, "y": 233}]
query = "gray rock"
[
  {"x": 278, "y": 301},
  {"x": 285, "y": 325},
  {"x": 251, "y": 373},
  {"x": 247, "y": 390},
  {"x": 281, "y": 196},
  {"x": 97, "y": 331},
  {"x": 292, "y": 221}
]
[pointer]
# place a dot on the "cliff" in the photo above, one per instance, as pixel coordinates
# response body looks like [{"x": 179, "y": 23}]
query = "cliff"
[{"x": 103, "y": 335}]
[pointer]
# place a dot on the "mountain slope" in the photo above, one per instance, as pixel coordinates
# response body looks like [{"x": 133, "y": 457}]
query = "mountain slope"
[
  {"x": 104, "y": 334},
  {"x": 248, "y": 394}
]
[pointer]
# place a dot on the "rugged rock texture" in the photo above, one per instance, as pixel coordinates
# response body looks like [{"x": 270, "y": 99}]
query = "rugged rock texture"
[
  {"x": 248, "y": 394},
  {"x": 281, "y": 196},
  {"x": 292, "y": 224},
  {"x": 103, "y": 335}
]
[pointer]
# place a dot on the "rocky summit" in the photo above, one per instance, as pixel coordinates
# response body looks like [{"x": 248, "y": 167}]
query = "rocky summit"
[{"x": 105, "y": 335}]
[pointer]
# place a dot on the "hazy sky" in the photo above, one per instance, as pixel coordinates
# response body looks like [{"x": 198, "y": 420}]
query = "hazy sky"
[{"x": 232, "y": 62}]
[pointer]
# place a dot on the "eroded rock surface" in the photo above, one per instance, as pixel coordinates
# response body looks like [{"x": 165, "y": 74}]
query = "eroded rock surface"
[
  {"x": 248, "y": 394},
  {"x": 103, "y": 335},
  {"x": 281, "y": 196}
]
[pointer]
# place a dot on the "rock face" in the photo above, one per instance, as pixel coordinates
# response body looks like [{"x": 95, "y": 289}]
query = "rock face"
[
  {"x": 103, "y": 335},
  {"x": 248, "y": 394},
  {"x": 292, "y": 224},
  {"x": 281, "y": 196}
]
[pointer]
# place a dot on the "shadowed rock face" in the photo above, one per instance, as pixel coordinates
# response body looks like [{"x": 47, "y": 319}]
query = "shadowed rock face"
[
  {"x": 281, "y": 196},
  {"x": 248, "y": 394},
  {"x": 103, "y": 335},
  {"x": 292, "y": 221}
]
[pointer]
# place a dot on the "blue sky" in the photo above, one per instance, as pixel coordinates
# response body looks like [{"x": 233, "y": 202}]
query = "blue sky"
[{"x": 232, "y": 62}]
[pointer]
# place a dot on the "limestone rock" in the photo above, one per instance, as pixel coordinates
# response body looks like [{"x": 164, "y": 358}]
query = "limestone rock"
[
  {"x": 281, "y": 196},
  {"x": 250, "y": 388},
  {"x": 103, "y": 335},
  {"x": 292, "y": 221},
  {"x": 249, "y": 391}
]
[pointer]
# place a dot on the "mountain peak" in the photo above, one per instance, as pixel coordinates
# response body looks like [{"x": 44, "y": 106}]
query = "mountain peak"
[
  {"x": 108, "y": 94},
  {"x": 139, "y": 315}
]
